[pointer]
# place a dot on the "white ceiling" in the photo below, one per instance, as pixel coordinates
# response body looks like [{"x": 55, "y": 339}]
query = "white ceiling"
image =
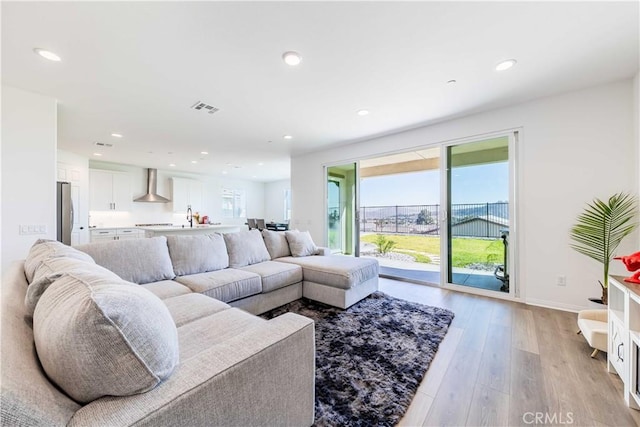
[{"x": 136, "y": 67}]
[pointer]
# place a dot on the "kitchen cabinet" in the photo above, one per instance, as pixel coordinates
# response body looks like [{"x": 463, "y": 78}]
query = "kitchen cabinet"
[
  {"x": 109, "y": 191},
  {"x": 101, "y": 235},
  {"x": 187, "y": 192}
]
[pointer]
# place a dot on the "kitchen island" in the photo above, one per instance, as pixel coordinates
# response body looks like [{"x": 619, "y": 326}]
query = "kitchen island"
[{"x": 173, "y": 230}]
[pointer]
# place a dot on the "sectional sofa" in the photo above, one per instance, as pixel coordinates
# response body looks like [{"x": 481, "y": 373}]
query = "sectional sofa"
[{"x": 159, "y": 331}]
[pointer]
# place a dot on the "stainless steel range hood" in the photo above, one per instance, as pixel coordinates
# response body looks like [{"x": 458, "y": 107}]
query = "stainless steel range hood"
[{"x": 152, "y": 195}]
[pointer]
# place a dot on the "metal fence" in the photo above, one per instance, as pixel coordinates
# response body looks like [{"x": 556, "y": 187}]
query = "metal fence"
[{"x": 472, "y": 220}]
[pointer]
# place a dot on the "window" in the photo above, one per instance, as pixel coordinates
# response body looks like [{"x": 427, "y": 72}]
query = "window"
[
  {"x": 287, "y": 205},
  {"x": 234, "y": 203}
]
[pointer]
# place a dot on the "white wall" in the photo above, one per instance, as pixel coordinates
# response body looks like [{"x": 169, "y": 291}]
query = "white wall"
[
  {"x": 28, "y": 169},
  {"x": 151, "y": 213},
  {"x": 574, "y": 147},
  {"x": 636, "y": 128},
  {"x": 274, "y": 195}
]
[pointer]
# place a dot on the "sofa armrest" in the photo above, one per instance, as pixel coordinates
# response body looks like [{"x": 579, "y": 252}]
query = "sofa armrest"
[
  {"x": 322, "y": 251},
  {"x": 263, "y": 376}
]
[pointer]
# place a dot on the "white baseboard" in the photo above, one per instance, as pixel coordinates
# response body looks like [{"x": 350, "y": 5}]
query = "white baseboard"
[{"x": 555, "y": 305}]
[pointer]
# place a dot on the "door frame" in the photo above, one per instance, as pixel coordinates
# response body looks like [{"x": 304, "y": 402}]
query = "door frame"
[
  {"x": 515, "y": 136},
  {"x": 356, "y": 204}
]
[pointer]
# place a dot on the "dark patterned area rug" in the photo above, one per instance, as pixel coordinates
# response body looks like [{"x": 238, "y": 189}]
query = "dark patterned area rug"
[{"x": 370, "y": 358}]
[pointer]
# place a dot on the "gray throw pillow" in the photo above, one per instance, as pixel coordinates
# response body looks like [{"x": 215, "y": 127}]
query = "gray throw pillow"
[
  {"x": 52, "y": 269},
  {"x": 300, "y": 243},
  {"x": 98, "y": 337},
  {"x": 197, "y": 254},
  {"x": 276, "y": 243},
  {"x": 44, "y": 249},
  {"x": 136, "y": 260},
  {"x": 245, "y": 248}
]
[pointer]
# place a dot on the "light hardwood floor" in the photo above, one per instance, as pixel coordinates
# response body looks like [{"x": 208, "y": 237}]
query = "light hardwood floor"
[{"x": 502, "y": 361}]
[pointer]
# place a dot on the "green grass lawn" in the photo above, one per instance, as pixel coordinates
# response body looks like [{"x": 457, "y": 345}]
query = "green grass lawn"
[{"x": 465, "y": 251}]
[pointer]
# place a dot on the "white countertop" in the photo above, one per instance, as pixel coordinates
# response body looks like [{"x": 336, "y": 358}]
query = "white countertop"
[
  {"x": 203, "y": 227},
  {"x": 187, "y": 228}
]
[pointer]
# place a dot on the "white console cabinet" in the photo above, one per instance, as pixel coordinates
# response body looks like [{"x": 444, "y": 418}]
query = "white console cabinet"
[{"x": 624, "y": 336}]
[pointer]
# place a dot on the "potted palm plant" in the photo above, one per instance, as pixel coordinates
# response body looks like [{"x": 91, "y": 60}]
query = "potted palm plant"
[{"x": 601, "y": 227}]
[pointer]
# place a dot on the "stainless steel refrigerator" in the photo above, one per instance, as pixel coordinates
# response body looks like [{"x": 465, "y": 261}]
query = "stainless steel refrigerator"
[{"x": 64, "y": 212}]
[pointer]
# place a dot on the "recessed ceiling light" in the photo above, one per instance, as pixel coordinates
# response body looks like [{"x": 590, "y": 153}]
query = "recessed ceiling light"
[
  {"x": 363, "y": 112},
  {"x": 260, "y": 164},
  {"x": 116, "y": 135},
  {"x": 173, "y": 165},
  {"x": 505, "y": 65},
  {"x": 452, "y": 81},
  {"x": 47, "y": 54},
  {"x": 287, "y": 137},
  {"x": 204, "y": 152},
  {"x": 253, "y": 176},
  {"x": 292, "y": 58},
  {"x": 224, "y": 172},
  {"x": 97, "y": 154},
  {"x": 194, "y": 161}
]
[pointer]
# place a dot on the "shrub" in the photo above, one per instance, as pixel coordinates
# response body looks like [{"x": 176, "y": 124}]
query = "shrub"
[{"x": 383, "y": 244}]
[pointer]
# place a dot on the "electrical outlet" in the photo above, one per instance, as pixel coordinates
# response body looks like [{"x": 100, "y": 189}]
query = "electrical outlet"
[{"x": 561, "y": 281}]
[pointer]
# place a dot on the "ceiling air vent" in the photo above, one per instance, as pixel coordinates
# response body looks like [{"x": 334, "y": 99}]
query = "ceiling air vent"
[
  {"x": 201, "y": 106},
  {"x": 103, "y": 144}
]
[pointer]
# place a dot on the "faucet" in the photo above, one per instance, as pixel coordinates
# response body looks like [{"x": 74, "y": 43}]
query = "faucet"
[{"x": 190, "y": 216}]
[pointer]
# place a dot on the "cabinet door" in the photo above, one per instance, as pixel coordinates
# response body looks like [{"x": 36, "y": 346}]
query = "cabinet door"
[
  {"x": 180, "y": 194},
  {"x": 100, "y": 190},
  {"x": 122, "y": 197},
  {"x": 195, "y": 195}
]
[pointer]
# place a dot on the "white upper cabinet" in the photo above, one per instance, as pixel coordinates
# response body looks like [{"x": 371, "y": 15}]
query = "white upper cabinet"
[
  {"x": 109, "y": 191},
  {"x": 187, "y": 192}
]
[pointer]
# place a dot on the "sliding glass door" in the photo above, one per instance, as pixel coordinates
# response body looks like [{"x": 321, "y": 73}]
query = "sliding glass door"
[
  {"x": 479, "y": 220},
  {"x": 342, "y": 209}
]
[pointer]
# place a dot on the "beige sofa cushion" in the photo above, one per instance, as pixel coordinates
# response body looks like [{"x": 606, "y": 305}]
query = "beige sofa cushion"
[
  {"x": 136, "y": 260},
  {"x": 246, "y": 248},
  {"x": 275, "y": 275},
  {"x": 225, "y": 285},
  {"x": 166, "y": 289},
  {"x": 44, "y": 249},
  {"x": 276, "y": 243},
  {"x": 197, "y": 254},
  {"x": 337, "y": 271},
  {"x": 300, "y": 243},
  {"x": 96, "y": 337},
  {"x": 188, "y": 308}
]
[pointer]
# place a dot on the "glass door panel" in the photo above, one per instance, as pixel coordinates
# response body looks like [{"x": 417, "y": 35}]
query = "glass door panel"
[
  {"x": 342, "y": 209},
  {"x": 478, "y": 222}
]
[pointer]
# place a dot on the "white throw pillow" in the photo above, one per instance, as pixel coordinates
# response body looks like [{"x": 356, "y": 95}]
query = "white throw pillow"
[
  {"x": 245, "y": 248},
  {"x": 197, "y": 254},
  {"x": 300, "y": 243},
  {"x": 276, "y": 243},
  {"x": 96, "y": 337}
]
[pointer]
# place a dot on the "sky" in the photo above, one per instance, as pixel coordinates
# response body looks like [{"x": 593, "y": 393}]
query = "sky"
[{"x": 485, "y": 183}]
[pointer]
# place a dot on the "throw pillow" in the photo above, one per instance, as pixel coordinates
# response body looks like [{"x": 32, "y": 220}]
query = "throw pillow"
[
  {"x": 300, "y": 243},
  {"x": 44, "y": 249},
  {"x": 52, "y": 269},
  {"x": 276, "y": 243},
  {"x": 96, "y": 337},
  {"x": 197, "y": 254},
  {"x": 137, "y": 260},
  {"x": 245, "y": 248}
]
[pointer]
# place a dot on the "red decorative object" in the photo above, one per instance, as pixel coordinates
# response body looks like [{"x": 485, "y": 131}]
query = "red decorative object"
[{"x": 632, "y": 262}]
